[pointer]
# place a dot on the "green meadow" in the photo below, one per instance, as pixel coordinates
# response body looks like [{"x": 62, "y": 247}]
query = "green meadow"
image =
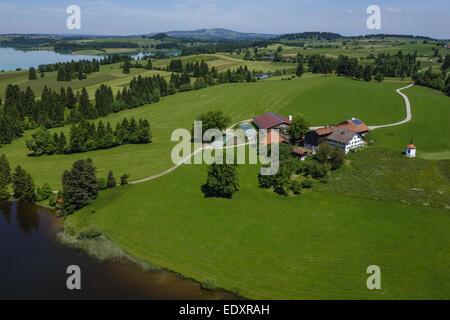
[
  {"x": 265, "y": 246},
  {"x": 428, "y": 126},
  {"x": 323, "y": 100},
  {"x": 379, "y": 208}
]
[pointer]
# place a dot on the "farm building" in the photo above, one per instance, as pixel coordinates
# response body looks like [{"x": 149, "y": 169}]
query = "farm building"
[
  {"x": 300, "y": 153},
  {"x": 272, "y": 137},
  {"x": 346, "y": 139},
  {"x": 315, "y": 137},
  {"x": 354, "y": 125},
  {"x": 271, "y": 120}
]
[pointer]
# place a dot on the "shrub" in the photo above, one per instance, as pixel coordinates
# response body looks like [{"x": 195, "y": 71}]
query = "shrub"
[
  {"x": 52, "y": 200},
  {"x": 101, "y": 183},
  {"x": 296, "y": 187},
  {"x": 208, "y": 284},
  {"x": 43, "y": 193},
  {"x": 89, "y": 232},
  {"x": 307, "y": 183},
  {"x": 124, "y": 178}
]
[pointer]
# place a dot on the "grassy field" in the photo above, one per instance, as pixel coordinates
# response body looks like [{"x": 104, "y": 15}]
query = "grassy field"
[
  {"x": 266, "y": 246},
  {"x": 111, "y": 75},
  {"x": 323, "y": 100},
  {"x": 380, "y": 174},
  {"x": 225, "y": 61},
  {"x": 428, "y": 127}
]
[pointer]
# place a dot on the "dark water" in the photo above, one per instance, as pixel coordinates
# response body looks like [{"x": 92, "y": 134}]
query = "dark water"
[{"x": 33, "y": 265}]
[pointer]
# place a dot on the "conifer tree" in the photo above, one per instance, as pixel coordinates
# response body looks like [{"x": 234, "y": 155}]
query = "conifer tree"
[
  {"x": 5, "y": 177},
  {"x": 85, "y": 105},
  {"x": 32, "y": 74},
  {"x": 71, "y": 99},
  {"x": 299, "y": 71},
  {"x": 61, "y": 74},
  {"x": 111, "y": 181},
  {"x": 23, "y": 185},
  {"x": 62, "y": 143},
  {"x": 79, "y": 186}
]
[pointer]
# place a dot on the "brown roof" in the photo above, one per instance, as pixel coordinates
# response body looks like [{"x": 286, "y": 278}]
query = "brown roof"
[
  {"x": 324, "y": 131},
  {"x": 300, "y": 151},
  {"x": 272, "y": 137},
  {"x": 354, "y": 125},
  {"x": 269, "y": 120},
  {"x": 411, "y": 146},
  {"x": 341, "y": 135}
]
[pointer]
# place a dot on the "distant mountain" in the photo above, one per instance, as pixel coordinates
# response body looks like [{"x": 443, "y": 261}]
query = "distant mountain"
[{"x": 220, "y": 34}]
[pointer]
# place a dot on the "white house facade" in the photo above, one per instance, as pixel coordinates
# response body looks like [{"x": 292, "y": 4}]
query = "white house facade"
[{"x": 346, "y": 139}]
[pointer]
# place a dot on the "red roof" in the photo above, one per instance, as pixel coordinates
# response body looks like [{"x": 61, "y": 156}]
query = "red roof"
[
  {"x": 324, "y": 131},
  {"x": 272, "y": 137},
  {"x": 411, "y": 146},
  {"x": 60, "y": 200},
  {"x": 270, "y": 120},
  {"x": 354, "y": 125}
]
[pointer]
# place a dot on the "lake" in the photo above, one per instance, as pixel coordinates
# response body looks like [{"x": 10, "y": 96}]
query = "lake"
[
  {"x": 11, "y": 59},
  {"x": 33, "y": 265}
]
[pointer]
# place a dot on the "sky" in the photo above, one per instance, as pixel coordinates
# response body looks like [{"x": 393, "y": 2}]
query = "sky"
[{"x": 120, "y": 17}]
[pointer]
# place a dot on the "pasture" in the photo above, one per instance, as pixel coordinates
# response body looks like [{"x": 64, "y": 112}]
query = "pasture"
[
  {"x": 265, "y": 246},
  {"x": 323, "y": 100}
]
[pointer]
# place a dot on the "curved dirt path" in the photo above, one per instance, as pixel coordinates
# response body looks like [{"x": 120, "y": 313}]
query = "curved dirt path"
[
  {"x": 408, "y": 110},
  {"x": 407, "y": 104},
  {"x": 407, "y": 119},
  {"x": 209, "y": 146},
  {"x": 204, "y": 147}
]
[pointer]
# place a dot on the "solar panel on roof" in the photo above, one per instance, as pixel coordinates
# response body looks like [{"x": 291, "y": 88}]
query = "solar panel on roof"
[
  {"x": 277, "y": 117},
  {"x": 356, "y": 121}
]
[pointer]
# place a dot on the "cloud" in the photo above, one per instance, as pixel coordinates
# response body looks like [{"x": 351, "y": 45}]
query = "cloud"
[
  {"x": 7, "y": 5},
  {"x": 351, "y": 11},
  {"x": 395, "y": 10}
]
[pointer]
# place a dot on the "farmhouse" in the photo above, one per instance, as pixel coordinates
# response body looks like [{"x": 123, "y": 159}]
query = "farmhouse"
[
  {"x": 315, "y": 137},
  {"x": 271, "y": 120},
  {"x": 345, "y": 138},
  {"x": 354, "y": 125}
]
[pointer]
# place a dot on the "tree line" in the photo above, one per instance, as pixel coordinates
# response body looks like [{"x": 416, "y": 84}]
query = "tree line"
[
  {"x": 68, "y": 71},
  {"x": 86, "y": 136},
  {"x": 22, "y": 110},
  {"x": 80, "y": 185},
  {"x": 205, "y": 75},
  {"x": 22, "y": 183},
  {"x": 398, "y": 65}
]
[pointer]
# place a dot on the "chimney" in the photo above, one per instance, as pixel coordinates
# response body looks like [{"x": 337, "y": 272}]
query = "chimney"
[{"x": 290, "y": 118}]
